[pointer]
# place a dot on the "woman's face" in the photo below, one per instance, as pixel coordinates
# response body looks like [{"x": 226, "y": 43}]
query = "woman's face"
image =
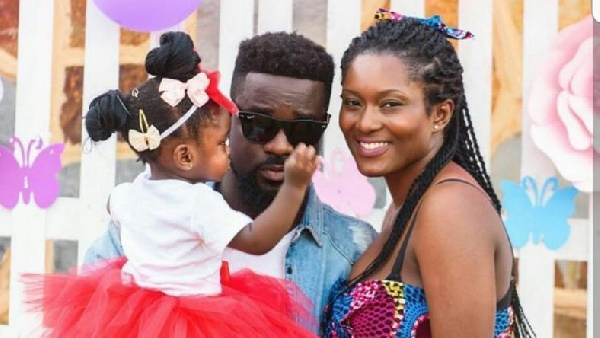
[{"x": 383, "y": 116}]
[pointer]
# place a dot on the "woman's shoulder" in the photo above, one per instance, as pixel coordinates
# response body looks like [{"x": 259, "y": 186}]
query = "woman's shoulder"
[
  {"x": 457, "y": 198},
  {"x": 454, "y": 187},
  {"x": 456, "y": 207}
]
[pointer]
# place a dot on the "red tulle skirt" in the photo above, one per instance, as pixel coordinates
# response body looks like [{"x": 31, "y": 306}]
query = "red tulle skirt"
[{"x": 98, "y": 303}]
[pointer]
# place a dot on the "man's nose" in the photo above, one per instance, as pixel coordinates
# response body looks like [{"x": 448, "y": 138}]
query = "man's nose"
[{"x": 279, "y": 145}]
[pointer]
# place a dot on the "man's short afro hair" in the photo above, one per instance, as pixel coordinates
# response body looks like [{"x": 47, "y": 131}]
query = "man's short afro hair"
[{"x": 283, "y": 54}]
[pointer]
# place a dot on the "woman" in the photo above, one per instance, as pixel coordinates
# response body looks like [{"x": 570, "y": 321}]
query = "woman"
[{"x": 442, "y": 264}]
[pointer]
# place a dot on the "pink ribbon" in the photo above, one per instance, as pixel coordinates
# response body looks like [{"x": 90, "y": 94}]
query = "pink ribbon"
[{"x": 173, "y": 91}]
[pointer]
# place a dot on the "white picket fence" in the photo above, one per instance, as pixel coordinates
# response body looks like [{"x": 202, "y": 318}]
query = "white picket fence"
[{"x": 83, "y": 219}]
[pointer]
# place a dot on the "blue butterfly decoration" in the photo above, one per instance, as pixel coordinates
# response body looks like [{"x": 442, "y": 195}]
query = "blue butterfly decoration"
[{"x": 539, "y": 215}]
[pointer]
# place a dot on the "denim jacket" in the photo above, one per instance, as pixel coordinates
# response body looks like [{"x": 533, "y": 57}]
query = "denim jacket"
[{"x": 323, "y": 248}]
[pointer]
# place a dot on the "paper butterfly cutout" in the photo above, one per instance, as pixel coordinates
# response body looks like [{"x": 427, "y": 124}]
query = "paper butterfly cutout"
[
  {"x": 37, "y": 178},
  {"x": 539, "y": 215},
  {"x": 346, "y": 190}
]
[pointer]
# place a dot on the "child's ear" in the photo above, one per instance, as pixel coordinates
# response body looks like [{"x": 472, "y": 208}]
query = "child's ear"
[{"x": 183, "y": 157}]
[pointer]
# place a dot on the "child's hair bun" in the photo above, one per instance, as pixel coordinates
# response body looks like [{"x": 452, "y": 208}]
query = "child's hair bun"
[
  {"x": 175, "y": 58},
  {"x": 107, "y": 115}
]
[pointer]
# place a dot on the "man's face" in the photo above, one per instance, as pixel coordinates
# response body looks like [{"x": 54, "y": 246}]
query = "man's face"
[{"x": 259, "y": 166}]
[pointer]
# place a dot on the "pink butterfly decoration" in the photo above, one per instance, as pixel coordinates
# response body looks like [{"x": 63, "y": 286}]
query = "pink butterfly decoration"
[
  {"x": 37, "y": 178},
  {"x": 346, "y": 190}
]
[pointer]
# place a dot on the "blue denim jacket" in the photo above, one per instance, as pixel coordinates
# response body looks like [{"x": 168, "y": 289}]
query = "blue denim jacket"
[{"x": 324, "y": 247}]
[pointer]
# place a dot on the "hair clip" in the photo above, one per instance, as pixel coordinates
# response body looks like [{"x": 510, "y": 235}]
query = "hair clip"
[
  {"x": 147, "y": 139},
  {"x": 434, "y": 22},
  {"x": 385, "y": 14}
]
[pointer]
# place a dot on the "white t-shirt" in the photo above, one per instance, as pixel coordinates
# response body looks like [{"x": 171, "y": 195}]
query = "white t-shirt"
[
  {"x": 174, "y": 233},
  {"x": 272, "y": 263}
]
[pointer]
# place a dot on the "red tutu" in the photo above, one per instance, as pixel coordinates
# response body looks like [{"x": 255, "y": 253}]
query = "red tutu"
[{"x": 97, "y": 303}]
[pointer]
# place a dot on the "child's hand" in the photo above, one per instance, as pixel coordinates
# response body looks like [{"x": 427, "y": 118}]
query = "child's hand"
[{"x": 300, "y": 166}]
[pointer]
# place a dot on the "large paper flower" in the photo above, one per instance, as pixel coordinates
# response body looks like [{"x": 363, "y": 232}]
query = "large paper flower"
[{"x": 561, "y": 105}]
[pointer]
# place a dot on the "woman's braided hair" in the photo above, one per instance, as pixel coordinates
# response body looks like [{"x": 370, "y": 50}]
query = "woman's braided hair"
[{"x": 431, "y": 60}]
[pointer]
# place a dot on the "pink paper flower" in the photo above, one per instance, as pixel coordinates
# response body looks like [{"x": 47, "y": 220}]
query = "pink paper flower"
[{"x": 561, "y": 105}]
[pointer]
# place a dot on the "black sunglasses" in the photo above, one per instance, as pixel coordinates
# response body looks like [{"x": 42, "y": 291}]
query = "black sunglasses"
[{"x": 262, "y": 128}]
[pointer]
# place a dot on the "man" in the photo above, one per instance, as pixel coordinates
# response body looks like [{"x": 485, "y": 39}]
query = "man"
[{"x": 282, "y": 85}]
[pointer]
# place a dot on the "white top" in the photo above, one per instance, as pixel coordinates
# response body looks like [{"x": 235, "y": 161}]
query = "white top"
[
  {"x": 272, "y": 263},
  {"x": 174, "y": 233}
]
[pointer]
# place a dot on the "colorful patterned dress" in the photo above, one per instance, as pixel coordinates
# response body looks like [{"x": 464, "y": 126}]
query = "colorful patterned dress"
[
  {"x": 391, "y": 308},
  {"x": 388, "y": 308}
]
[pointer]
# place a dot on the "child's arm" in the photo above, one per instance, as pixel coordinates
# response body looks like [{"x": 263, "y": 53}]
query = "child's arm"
[{"x": 271, "y": 225}]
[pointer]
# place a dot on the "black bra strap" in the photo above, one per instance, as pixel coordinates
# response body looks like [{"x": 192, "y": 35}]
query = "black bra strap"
[
  {"x": 462, "y": 181},
  {"x": 506, "y": 299},
  {"x": 397, "y": 268}
]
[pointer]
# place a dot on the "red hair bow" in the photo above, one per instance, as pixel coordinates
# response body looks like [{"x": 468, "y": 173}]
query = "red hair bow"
[{"x": 215, "y": 94}]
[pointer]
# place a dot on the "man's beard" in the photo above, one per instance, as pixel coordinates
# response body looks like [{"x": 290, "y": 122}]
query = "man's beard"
[{"x": 253, "y": 197}]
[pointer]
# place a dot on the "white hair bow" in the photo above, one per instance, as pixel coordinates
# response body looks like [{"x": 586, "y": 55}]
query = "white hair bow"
[
  {"x": 173, "y": 91},
  {"x": 149, "y": 137}
]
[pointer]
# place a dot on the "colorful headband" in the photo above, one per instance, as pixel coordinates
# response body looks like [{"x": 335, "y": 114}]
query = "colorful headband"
[{"x": 434, "y": 22}]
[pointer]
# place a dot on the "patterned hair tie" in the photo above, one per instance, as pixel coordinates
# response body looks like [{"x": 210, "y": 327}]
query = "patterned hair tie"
[{"x": 434, "y": 22}]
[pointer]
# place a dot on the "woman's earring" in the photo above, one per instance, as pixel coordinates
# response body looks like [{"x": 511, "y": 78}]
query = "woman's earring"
[{"x": 435, "y": 127}]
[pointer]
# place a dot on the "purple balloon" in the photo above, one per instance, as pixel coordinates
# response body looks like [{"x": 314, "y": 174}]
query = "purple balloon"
[{"x": 147, "y": 15}]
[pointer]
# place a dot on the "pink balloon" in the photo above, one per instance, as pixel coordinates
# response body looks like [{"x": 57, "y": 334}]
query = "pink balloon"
[{"x": 147, "y": 15}]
